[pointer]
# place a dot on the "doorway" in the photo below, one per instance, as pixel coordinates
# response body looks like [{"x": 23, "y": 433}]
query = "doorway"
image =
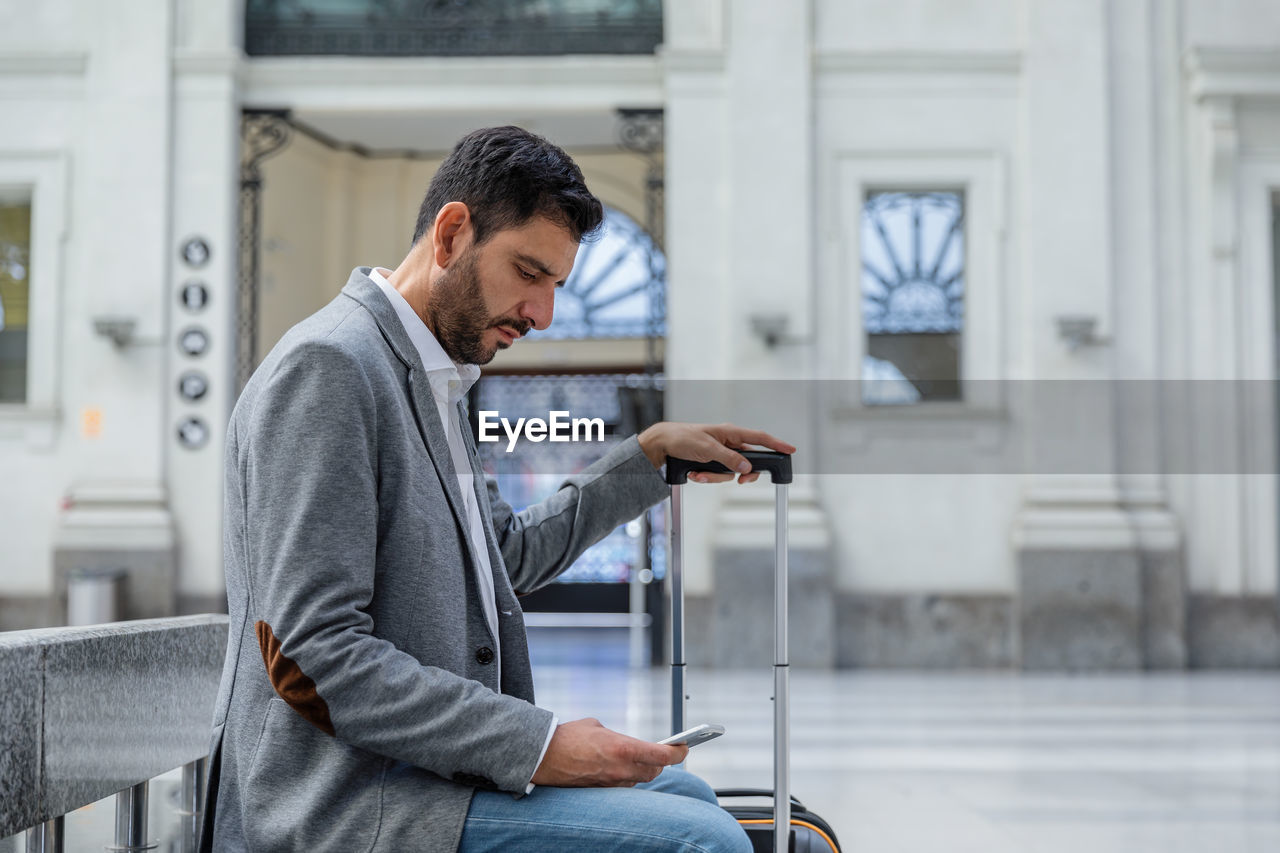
[{"x": 315, "y": 206}]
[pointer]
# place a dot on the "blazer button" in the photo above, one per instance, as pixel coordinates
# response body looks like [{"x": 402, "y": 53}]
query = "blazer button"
[{"x": 484, "y": 655}]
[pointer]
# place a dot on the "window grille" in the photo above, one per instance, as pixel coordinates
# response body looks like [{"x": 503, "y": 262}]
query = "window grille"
[
  {"x": 452, "y": 27},
  {"x": 617, "y": 288},
  {"x": 533, "y": 471},
  {"x": 913, "y": 266}
]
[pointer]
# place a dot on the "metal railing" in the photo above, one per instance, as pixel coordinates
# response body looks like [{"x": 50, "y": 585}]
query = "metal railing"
[
  {"x": 87, "y": 713},
  {"x": 450, "y": 28}
]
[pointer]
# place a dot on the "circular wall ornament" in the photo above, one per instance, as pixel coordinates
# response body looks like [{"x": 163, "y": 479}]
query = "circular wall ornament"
[
  {"x": 192, "y": 385},
  {"x": 194, "y": 295},
  {"x": 195, "y": 252},
  {"x": 193, "y": 433},
  {"x": 193, "y": 341}
]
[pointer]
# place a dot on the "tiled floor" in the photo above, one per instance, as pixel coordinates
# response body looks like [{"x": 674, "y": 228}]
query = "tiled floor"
[{"x": 991, "y": 762}]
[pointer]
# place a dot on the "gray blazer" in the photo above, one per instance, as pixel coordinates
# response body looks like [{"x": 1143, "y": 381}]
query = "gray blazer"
[{"x": 360, "y": 705}]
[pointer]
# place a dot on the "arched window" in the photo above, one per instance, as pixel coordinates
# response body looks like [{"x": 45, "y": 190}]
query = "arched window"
[
  {"x": 617, "y": 288},
  {"x": 913, "y": 281}
]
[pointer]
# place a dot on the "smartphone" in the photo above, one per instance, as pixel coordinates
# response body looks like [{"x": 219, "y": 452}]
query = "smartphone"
[{"x": 696, "y": 735}]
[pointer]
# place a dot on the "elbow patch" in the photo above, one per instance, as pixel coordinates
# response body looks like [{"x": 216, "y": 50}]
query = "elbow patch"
[{"x": 290, "y": 682}]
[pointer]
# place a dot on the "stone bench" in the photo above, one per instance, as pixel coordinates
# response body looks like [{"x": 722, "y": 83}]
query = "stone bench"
[{"x": 89, "y": 712}]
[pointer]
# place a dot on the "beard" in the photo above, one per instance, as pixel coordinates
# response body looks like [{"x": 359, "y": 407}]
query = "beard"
[{"x": 459, "y": 317}]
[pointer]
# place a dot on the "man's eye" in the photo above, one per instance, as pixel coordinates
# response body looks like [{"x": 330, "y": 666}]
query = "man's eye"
[{"x": 527, "y": 276}]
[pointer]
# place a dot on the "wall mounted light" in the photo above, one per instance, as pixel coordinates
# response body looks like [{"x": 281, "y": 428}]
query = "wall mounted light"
[
  {"x": 118, "y": 328},
  {"x": 771, "y": 329},
  {"x": 1079, "y": 330}
]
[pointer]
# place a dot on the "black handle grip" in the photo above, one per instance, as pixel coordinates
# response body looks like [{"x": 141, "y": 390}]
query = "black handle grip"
[{"x": 778, "y": 465}]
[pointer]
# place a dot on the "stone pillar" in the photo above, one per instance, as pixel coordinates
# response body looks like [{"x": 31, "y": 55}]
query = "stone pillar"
[
  {"x": 697, "y": 207},
  {"x": 741, "y": 614},
  {"x": 1141, "y": 194},
  {"x": 1164, "y": 577},
  {"x": 1100, "y": 581},
  {"x": 741, "y": 233},
  {"x": 206, "y": 175}
]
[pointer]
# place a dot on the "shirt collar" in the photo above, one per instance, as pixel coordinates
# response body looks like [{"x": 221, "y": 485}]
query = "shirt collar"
[{"x": 435, "y": 361}]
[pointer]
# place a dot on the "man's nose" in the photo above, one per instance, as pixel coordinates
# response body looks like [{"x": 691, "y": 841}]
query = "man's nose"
[{"x": 538, "y": 308}]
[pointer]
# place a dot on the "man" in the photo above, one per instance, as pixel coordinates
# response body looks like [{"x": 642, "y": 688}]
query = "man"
[{"x": 377, "y": 692}]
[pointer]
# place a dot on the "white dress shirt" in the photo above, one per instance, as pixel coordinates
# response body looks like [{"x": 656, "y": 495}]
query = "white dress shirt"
[{"x": 450, "y": 382}]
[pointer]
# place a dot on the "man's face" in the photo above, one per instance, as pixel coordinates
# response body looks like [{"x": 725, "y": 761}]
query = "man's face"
[{"x": 495, "y": 292}]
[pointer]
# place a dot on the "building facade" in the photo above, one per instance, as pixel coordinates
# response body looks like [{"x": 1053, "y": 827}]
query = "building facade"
[{"x": 1004, "y": 269}]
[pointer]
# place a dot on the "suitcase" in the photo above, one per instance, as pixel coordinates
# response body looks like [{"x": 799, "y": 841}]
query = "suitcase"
[{"x": 808, "y": 832}]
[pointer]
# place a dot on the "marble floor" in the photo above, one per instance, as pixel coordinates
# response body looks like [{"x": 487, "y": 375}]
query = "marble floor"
[{"x": 981, "y": 761}]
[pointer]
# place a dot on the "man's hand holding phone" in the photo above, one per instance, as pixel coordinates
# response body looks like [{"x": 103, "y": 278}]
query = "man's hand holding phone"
[{"x": 585, "y": 754}]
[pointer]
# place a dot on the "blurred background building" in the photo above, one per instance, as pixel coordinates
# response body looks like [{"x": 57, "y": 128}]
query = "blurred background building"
[{"x": 933, "y": 202}]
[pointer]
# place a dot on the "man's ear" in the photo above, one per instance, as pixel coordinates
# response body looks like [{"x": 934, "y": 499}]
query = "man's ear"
[{"x": 452, "y": 233}]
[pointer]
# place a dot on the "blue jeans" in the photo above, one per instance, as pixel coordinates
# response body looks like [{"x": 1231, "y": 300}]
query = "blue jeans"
[{"x": 675, "y": 813}]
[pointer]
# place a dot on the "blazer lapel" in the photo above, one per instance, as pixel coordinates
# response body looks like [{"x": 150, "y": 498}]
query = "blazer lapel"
[
  {"x": 505, "y": 596},
  {"x": 433, "y": 434},
  {"x": 362, "y": 289}
]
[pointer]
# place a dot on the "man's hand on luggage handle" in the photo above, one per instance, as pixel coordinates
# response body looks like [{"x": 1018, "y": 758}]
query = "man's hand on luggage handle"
[
  {"x": 584, "y": 754},
  {"x": 707, "y": 443}
]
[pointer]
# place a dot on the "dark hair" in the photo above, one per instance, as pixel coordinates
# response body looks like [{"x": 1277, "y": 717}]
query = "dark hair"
[{"x": 506, "y": 176}]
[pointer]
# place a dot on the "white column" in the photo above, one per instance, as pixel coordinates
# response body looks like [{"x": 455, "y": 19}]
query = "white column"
[
  {"x": 205, "y": 196},
  {"x": 121, "y": 260},
  {"x": 741, "y": 241},
  {"x": 698, "y": 209},
  {"x": 118, "y": 515},
  {"x": 771, "y": 225},
  {"x": 1141, "y": 208},
  {"x": 1067, "y": 266},
  {"x": 1080, "y": 581}
]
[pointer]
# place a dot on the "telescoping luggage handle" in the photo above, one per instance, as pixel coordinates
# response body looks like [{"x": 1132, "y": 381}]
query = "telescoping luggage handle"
[{"x": 778, "y": 466}]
